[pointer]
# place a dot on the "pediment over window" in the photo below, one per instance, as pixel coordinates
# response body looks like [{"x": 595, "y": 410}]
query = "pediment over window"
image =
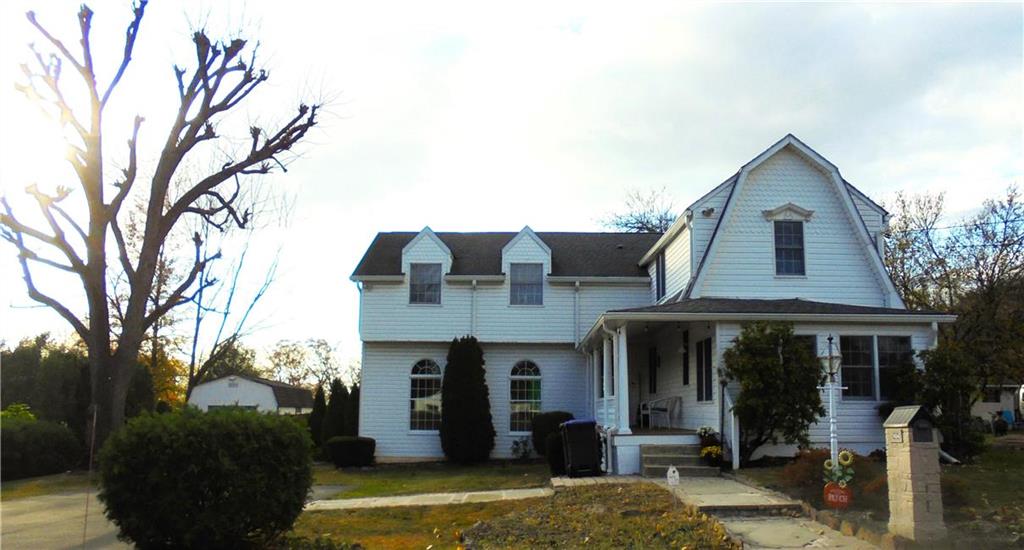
[{"x": 788, "y": 211}]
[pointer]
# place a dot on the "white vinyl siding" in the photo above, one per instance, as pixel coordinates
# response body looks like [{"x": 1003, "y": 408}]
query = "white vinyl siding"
[
  {"x": 836, "y": 264},
  {"x": 677, "y": 263},
  {"x": 858, "y": 423},
  {"x": 384, "y": 399},
  {"x": 385, "y": 313}
]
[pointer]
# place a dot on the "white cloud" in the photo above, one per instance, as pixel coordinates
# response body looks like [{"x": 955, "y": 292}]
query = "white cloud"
[{"x": 472, "y": 117}]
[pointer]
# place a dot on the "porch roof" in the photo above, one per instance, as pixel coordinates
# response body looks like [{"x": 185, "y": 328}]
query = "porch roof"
[{"x": 748, "y": 309}]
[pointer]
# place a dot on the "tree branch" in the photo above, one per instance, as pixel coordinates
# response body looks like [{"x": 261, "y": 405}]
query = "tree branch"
[{"x": 129, "y": 45}]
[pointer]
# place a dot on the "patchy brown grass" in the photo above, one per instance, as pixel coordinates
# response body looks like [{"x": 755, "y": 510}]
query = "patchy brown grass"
[{"x": 602, "y": 516}]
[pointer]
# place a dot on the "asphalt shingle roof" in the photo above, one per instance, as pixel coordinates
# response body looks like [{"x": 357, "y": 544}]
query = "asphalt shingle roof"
[
  {"x": 791, "y": 305},
  {"x": 287, "y": 396},
  {"x": 572, "y": 254}
]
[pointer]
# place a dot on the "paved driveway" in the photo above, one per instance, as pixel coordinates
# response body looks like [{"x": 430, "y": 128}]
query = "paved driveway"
[{"x": 55, "y": 521}]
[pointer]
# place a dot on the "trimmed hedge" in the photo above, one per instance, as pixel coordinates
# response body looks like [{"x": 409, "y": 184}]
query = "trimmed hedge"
[
  {"x": 31, "y": 448},
  {"x": 544, "y": 424},
  {"x": 228, "y": 478},
  {"x": 347, "y": 450},
  {"x": 555, "y": 453}
]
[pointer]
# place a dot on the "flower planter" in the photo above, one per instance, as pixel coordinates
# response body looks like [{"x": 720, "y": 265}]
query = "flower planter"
[{"x": 837, "y": 496}]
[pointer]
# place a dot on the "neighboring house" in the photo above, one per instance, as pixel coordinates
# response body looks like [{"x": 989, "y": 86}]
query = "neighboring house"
[
  {"x": 996, "y": 399},
  {"x": 605, "y": 324},
  {"x": 250, "y": 392}
]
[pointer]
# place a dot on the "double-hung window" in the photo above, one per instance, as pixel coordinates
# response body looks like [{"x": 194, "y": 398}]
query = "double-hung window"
[
  {"x": 659, "y": 276},
  {"x": 789, "y": 248},
  {"x": 858, "y": 366},
  {"x": 425, "y": 283},
  {"x": 425, "y": 396},
  {"x": 704, "y": 386},
  {"x": 527, "y": 284},
  {"x": 524, "y": 396},
  {"x": 653, "y": 362},
  {"x": 686, "y": 358},
  {"x": 894, "y": 355}
]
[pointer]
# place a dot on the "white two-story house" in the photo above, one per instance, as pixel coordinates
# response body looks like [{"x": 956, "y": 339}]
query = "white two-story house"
[{"x": 629, "y": 329}]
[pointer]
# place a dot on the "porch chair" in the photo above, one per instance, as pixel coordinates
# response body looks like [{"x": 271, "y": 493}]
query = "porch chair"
[{"x": 665, "y": 407}]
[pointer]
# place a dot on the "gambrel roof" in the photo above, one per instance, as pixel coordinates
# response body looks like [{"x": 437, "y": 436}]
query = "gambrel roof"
[{"x": 572, "y": 254}]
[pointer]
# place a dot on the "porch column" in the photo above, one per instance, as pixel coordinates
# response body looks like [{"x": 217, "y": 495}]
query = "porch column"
[
  {"x": 606, "y": 366},
  {"x": 594, "y": 380},
  {"x": 622, "y": 380}
]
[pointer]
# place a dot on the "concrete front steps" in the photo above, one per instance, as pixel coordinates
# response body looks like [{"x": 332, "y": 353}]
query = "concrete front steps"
[{"x": 655, "y": 461}]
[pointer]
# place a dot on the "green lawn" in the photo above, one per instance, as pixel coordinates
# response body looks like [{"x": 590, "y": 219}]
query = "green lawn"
[
  {"x": 45, "y": 485},
  {"x": 433, "y": 477},
  {"x": 603, "y": 516}
]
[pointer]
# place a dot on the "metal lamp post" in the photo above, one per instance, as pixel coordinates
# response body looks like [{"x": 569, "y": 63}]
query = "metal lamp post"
[{"x": 831, "y": 386}]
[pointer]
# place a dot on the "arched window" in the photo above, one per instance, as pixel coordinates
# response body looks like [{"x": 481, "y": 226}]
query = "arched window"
[
  {"x": 524, "y": 396},
  {"x": 425, "y": 396}
]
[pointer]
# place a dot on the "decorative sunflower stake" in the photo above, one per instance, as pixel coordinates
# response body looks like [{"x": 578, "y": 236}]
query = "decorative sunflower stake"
[{"x": 838, "y": 476}]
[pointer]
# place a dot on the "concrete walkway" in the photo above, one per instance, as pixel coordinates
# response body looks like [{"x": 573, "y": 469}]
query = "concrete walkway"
[
  {"x": 429, "y": 499},
  {"x": 55, "y": 521},
  {"x": 759, "y": 518}
]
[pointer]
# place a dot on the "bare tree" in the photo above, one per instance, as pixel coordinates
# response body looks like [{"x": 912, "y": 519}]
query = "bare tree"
[
  {"x": 325, "y": 365},
  {"x": 290, "y": 362},
  {"x": 221, "y": 79},
  {"x": 218, "y": 297},
  {"x": 645, "y": 212}
]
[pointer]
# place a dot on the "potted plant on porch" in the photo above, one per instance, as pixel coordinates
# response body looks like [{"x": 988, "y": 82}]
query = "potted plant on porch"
[{"x": 710, "y": 446}]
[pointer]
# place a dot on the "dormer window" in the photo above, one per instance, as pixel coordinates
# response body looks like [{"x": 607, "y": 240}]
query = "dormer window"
[
  {"x": 527, "y": 284},
  {"x": 659, "y": 276},
  {"x": 789, "y": 248},
  {"x": 424, "y": 283}
]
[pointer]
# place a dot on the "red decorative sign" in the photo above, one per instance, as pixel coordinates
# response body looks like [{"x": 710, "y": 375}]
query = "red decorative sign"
[{"x": 837, "y": 497}]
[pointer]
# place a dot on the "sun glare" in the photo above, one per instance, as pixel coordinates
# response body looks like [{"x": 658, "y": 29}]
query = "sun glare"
[{"x": 37, "y": 155}]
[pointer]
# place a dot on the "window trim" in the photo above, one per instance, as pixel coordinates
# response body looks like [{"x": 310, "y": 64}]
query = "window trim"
[
  {"x": 512, "y": 283},
  {"x": 440, "y": 377},
  {"x": 803, "y": 249},
  {"x": 539, "y": 378},
  {"x": 440, "y": 283}
]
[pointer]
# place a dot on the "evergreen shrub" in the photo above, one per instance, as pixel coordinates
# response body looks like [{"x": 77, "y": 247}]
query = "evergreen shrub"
[
  {"x": 544, "y": 424},
  {"x": 346, "y": 450},
  {"x": 229, "y": 478}
]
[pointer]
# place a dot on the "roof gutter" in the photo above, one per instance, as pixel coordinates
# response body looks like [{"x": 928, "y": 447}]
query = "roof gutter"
[
  {"x": 681, "y": 223},
  {"x": 815, "y": 317}
]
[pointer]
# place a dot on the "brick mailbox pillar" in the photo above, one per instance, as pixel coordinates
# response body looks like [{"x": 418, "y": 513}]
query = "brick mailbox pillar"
[{"x": 912, "y": 457}]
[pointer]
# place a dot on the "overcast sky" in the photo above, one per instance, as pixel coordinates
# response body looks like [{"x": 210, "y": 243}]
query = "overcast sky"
[{"x": 467, "y": 118}]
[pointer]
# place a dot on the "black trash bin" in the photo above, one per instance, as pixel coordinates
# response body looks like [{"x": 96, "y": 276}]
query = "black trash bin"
[{"x": 582, "y": 448}]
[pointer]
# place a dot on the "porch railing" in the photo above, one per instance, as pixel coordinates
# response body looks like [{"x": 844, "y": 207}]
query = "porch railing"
[
  {"x": 606, "y": 411},
  {"x": 732, "y": 431}
]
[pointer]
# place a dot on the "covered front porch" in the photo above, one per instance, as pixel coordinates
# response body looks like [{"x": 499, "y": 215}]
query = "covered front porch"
[{"x": 653, "y": 383}]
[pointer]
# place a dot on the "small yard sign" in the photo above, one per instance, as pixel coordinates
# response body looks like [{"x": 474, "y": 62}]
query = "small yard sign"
[{"x": 672, "y": 476}]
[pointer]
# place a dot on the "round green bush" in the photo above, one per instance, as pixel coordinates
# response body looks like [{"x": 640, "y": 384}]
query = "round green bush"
[
  {"x": 347, "y": 450},
  {"x": 31, "y": 448},
  {"x": 555, "y": 453},
  {"x": 225, "y": 479},
  {"x": 544, "y": 424}
]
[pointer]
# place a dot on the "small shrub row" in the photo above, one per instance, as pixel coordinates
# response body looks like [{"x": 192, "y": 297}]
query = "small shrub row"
[
  {"x": 347, "y": 450},
  {"x": 31, "y": 448},
  {"x": 544, "y": 424}
]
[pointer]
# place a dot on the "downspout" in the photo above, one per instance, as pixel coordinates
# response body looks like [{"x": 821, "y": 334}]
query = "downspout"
[
  {"x": 576, "y": 313},
  {"x": 472, "y": 310}
]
